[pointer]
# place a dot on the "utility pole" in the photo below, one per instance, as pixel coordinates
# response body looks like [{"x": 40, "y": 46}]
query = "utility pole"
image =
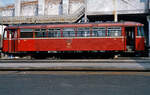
[
  {"x": 115, "y": 11},
  {"x": 41, "y": 7},
  {"x": 85, "y": 16},
  {"x": 148, "y": 5},
  {"x": 2, "y": 33},
  {"x": 17, "y": 7},
  {"x": 148, "y": 19}
]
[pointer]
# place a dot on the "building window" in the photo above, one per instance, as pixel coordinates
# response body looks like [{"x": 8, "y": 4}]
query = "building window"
[{"x": 142, "y": 0}]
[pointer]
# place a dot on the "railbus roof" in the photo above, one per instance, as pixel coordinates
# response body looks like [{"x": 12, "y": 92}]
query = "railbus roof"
[{"x": 97, "y": 24}]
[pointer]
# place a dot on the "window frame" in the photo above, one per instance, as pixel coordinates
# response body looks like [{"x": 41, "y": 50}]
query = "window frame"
[
  {"x": 140, "y": 31},
  {"x": 99, "y": 30},
  {"x": 26, "y": 32},
  {"x": 71, "y": 33},
  {"x": 114, "y": 30},
  {"x": 82, "y": 33},
  {"x": 43, "y": 34},
  {"x": 55, "y": 31}
]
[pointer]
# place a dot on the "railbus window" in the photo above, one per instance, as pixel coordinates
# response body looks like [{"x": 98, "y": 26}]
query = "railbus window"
[
  {"x": 13, "y": 33},
  {"x": 83, "y": 32},
  {"x": 99, "y": 31},
  {"x": 40, "y": 33},
  {"x": 68, "y": 32},
  {"x": 26, "y": 33},
  {"x": 114, "y": 31},
  {"x": 140, "y": 31},
  {"x": 54, "y": 32},
  {"x": 5, "y": 34}
]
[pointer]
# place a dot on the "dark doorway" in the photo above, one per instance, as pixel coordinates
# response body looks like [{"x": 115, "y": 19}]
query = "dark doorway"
[
  {"x": 13, "y": 39},
  {"x": 130, "y": 38}
]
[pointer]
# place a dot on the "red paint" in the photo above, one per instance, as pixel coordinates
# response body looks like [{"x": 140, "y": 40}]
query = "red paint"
[
  {"x": 26, "y": 45},
  {"x": 124, "y": 34},
  {"x": 88, "y": 44},
  {"x": 5, "y": 46},
  {"x": 135, "y": 31},
  {"x": 140, "y": 44}
]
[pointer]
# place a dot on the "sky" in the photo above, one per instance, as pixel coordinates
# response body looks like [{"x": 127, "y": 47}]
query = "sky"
[{"x": 6, "y": 2}]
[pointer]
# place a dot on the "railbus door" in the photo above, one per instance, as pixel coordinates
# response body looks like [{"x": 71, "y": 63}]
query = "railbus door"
[
  {"x": 12, "y": 40},
  {"x": 130, "y": 38}
]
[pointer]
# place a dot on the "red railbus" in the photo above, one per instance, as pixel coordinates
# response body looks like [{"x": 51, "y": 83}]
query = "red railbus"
[{"x": 108, "y": 36}]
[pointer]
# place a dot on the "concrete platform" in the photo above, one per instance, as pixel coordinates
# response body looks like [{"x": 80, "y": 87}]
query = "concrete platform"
[{"x": 121, "y": 65}]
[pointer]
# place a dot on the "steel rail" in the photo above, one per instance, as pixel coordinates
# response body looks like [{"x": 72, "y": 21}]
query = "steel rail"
[{"x": 76, "y": 61}]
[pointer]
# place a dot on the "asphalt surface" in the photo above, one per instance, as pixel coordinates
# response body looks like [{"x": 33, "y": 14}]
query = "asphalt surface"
[{"x": 74, "y": 83}]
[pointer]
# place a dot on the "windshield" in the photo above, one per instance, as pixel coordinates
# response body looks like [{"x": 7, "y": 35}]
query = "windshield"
[
  {"x": 5, "y": 34},
  {"x": 140, "y": 31}
]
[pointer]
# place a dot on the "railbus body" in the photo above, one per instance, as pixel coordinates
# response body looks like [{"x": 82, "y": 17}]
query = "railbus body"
[{"x": 117, "y": 37}]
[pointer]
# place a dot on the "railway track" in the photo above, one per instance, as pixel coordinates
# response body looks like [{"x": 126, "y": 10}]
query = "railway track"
[{"x": 119, "y": 60}]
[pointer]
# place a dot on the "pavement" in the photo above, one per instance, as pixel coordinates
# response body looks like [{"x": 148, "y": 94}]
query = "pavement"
[{"x": 90, "y": 64}]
